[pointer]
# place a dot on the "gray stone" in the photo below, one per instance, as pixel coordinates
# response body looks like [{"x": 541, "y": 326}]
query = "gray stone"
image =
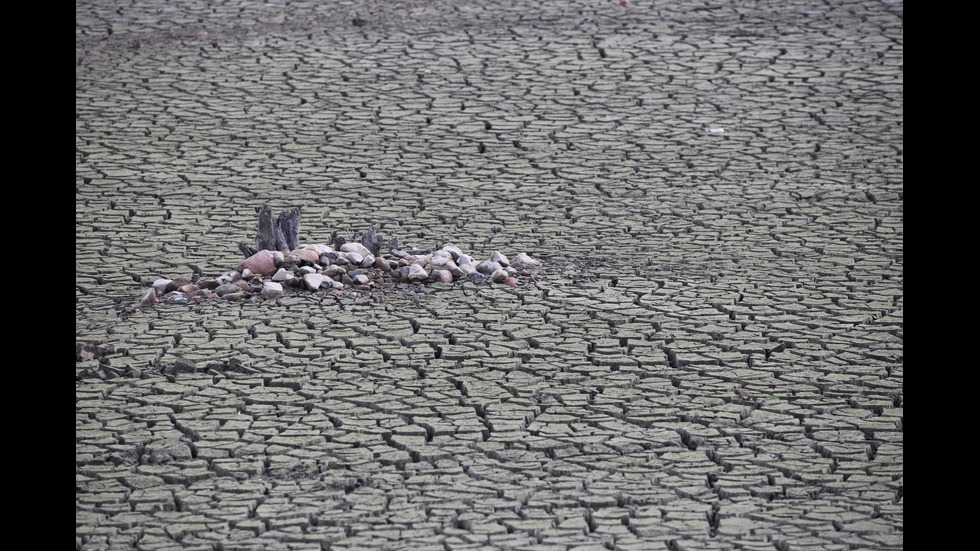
[
  {"x": 489, "y": 267},
  {"x": 223, "y": 290},
  {"x": 356, "y": 258},
  {"x": 282, "y": 275},
  {"x": 442, "y": 276}
]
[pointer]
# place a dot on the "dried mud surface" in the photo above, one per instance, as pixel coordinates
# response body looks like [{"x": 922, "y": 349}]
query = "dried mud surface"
[{"x": 712, "y": 358}]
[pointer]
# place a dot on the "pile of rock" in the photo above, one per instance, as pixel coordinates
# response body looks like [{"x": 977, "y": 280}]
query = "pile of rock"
[{"x": 266, "y": 273}]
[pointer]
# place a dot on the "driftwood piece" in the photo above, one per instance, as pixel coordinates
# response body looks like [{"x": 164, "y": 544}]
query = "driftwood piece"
[{"x": 274, "y": 234}]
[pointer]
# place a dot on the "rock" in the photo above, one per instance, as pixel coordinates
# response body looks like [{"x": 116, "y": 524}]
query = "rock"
[
  {"x": 189, "y": 288},
  {"x": 227, "y": 288},
  {"x": 453, "y": 251},
  {"x": 498, "y": 275},
  {"x": 150, "y": 298},
  {"x": 361, "y": 279},
  {"x": 356, "y": 258},
  {"x": 468, "y": 268},
  {"x": 334, "y": 271},
  {"x": 234, "y": 296},
  {"x": 381, "y": 264},
  {"x": 334, "y": 284},
  {"x": 464, "y": 259},
  {"x": 271, "y": 290},
  {"x": 442, "y": 276},
  {"x": 355, "y": 248},
  {"x": 307, "y": 256},
  {"x": 444, "y": 263},
  {"x": 512, "y": 281},
  {"x": 281, "y": 275},
  {"x": 487, "y": 268},
  {"x": 306, "y": 270},
  {"x": 177, "y": 283},
  {"x": 160, "y": 285},
  {"x": 261, "y": 263},
  {"x": 499, "y": 258},
  {"x": 525, "y": 262},
  {"x": 417, "y": 273},
  {"x": 313, "y": 281},
  {"x": 368, "y": 261},
  {"x": 208, "y": 283},
  {"x": 277, "y": 257}
]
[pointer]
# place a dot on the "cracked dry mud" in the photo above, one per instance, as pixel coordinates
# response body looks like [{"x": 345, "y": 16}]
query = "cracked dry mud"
[{"x": 712, "y": 360}]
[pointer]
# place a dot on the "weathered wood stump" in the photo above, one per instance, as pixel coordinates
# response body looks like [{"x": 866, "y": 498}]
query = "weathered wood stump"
[{"x": 275, "y": 234}]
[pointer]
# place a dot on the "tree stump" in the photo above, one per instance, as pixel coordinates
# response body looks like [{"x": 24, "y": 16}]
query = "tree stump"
[{"x": 275, "y": 234}]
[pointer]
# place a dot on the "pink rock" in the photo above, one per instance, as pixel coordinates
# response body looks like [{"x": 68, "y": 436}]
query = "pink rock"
[
  {"x": 189, "y": 288},
  {"x": 261, "y": 263},
  {"x": 306, "y": 255}
]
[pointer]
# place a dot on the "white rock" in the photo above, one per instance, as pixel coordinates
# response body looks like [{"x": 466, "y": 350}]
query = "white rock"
[
  {"x": 416, "y": 272},
  {"x": 160, "y": 285},
  {"x": 281, "y": 275},
  {"x": 454, "y": 251},
  {"x": 271, "y": 289},
  {"x": 150, "y": 298},
  {"x": 355, "y": 257},
  {"x": 443, "y": 263},
  {"x": 525, "y": 262},
  {"x": 498, "y": 275},
  {"x": 499, "y": 258},
  {"x": 356, "y": 248},
  {"x": 313, "y": 281}
]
